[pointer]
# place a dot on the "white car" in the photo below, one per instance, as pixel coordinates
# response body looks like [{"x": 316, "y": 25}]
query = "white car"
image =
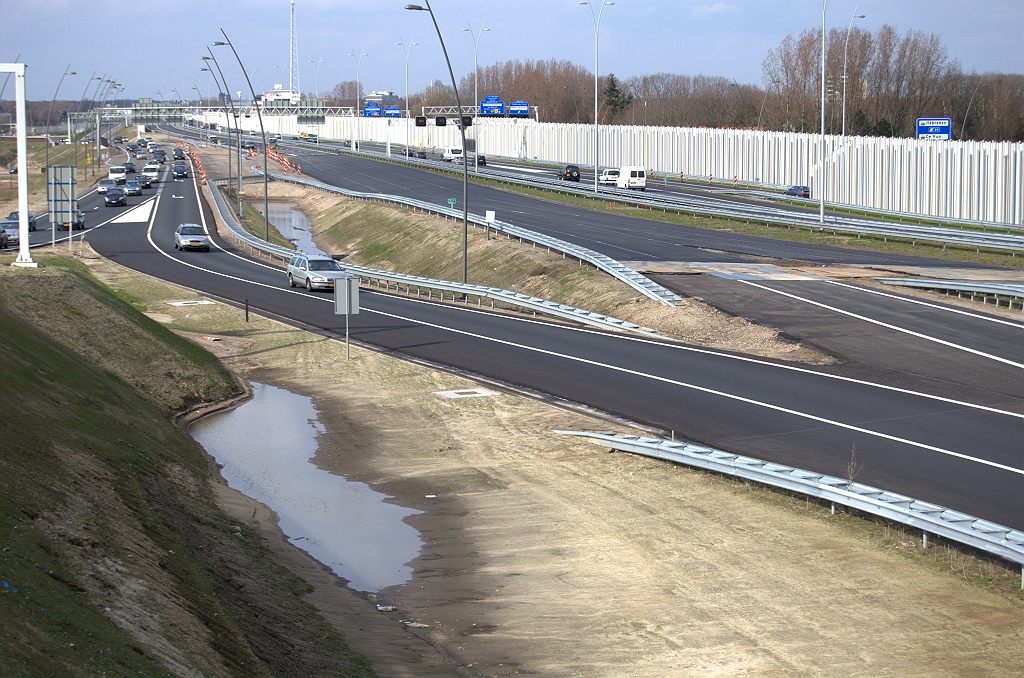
[
  {"x": 105, "y": 184},
  {"x": 152, "y": 170},
  {"x": 608, "y": 177}
]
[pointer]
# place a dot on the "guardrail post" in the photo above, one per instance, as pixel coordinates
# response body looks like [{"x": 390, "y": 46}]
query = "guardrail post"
[{"x": 924, "y": 540}]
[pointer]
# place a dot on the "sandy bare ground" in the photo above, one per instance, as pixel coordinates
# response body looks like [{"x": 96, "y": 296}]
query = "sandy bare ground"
[{"x": 549, "y": 556}]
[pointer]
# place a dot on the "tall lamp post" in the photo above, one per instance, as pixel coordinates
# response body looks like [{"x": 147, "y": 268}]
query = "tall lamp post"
[
  {"x": 476, "y": 90},
  {"x": 462, "y": 132},
  {"x": 821, "y": 149},
  {"x": 964, "y": 126},
  {"x": 355, "y": 111},
  {"x": 231, "y": 103},
  {"x": 316, "y": 76},
  {"x": 408, "y": 114},
  {"x": 597, "y": 28},
  {"x": 846, "y": 53},
  {"x": 66, "y": 73},
  {"x": 263, "y": 132}
]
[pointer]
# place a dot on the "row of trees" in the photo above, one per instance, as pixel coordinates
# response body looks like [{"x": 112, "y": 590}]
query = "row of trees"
[{"x": 891, "y": 80}]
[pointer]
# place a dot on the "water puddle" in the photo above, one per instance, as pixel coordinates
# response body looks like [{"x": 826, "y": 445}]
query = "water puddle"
[
  {"x": 266, "y": 447},
  {"x": 293, "y": 226}
]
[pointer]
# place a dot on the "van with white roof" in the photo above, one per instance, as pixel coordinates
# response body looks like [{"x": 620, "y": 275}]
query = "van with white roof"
[{"x": 632, "y": 177}]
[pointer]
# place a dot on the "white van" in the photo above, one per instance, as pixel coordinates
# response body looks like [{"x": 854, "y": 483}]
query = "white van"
[
  {"x": 632, "y": 176},
  {"x": 452, "y": 152},
  {"x": 118, "y": 174},
  {"x": 152, "y": 171}
]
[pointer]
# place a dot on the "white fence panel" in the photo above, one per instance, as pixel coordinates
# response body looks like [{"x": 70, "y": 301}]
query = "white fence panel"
[{"x": 973, "y": 180}]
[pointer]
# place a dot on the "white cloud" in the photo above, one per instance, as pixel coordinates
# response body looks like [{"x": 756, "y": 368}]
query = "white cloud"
[{"x": 717, "y": 8}]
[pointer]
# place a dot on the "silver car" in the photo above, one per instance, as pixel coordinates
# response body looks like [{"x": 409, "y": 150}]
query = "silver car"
[
  {"x": 191, "y": 237},
  {"x": 314, "y": 272},
  {"x": 105, "y": 184}
]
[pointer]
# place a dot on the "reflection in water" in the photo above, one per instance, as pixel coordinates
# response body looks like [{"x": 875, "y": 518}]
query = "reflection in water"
[
  {"x": 266, "y": 447},
  {"x": 293, "y": 226}
]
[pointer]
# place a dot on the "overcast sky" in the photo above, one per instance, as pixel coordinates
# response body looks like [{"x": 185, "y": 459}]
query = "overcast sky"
[{"x": 153, "y": 46}]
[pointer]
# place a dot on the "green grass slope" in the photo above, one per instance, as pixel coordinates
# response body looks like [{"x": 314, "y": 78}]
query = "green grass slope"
[{"x": 114, "y": 557}]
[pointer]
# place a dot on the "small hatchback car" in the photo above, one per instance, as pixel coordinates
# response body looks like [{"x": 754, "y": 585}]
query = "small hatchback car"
[
  {"x": 799, "y": 191},
  {"x": 115, "y": 195},
  {"x": 191, "y": 237}
]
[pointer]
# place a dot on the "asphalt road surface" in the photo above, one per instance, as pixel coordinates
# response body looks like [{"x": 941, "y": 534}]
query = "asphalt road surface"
[{"x": 961, "y": 454}]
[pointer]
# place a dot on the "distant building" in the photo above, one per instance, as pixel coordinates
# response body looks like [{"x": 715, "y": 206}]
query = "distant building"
[
  {"x": 384, "y": 98},
  {"x": 280, "y": 98}
]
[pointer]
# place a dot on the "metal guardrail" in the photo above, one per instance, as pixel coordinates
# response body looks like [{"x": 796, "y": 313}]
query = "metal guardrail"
[
  {"x": 981, "y": 534},
  {"x": 639, "y": 282},
  {"x": 1009, "y": 290},
  {"x": 714, "y": 207},
  {"x": 496, "y": 294}
]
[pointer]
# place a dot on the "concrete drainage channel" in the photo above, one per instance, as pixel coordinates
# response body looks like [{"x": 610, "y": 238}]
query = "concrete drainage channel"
[
  {"x": 429, "y": 286},
  {"x": 931, "y": 519}
]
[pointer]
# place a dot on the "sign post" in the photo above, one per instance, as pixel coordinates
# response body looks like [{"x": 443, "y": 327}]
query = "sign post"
[
  {"x": 936, "y": 129},
  {"x": 61, "y": 200},
  {"x": 519, "y": 109},
  {"x": 346, "y": 301},
  {"x": 492, "y": 105},
  {"x": 489, "y": 218}
]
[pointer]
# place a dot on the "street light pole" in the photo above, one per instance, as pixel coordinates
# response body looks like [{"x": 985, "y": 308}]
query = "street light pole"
[
  {"x": 355, "y": 111},
  {"x": 66, "y": 72},
  {"x": 316, "y": 76},
  {"x": 597, "y": 28},
  {"x": 846, "y": 52},
  {"x": 964, "y": 126},
  {"x": 263, "y": 132},
  {"x": 408, "y": 113},
  {"x": 231, "y": 103},
  {"x": 462, "y": 132},
  {"x": 476, "y": 91},
  {"x": 821, "y": 150}
]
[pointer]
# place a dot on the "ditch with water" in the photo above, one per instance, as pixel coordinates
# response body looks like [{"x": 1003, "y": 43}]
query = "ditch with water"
[
  {"x": 293, "y": 226},
  {"x": 267, "y": 448}
]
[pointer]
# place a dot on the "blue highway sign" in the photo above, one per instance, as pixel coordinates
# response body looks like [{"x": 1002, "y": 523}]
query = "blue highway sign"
[{"x": 935, "y": 128}]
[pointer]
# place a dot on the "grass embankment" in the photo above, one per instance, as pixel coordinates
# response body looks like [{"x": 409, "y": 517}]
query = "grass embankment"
[
  {"x": 951, "y": 253},
  {"x": 252, "y": 218},
  {"x": 398, "y": 239},
  {"x": 87, "y": 175},
  {"x": 115, "y": 559}
]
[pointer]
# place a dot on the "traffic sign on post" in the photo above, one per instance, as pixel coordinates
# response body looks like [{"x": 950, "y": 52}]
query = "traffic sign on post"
[
  {"x": 519, "y": 108},
  {"x": 372, "y": 110},
  {"x": 492, "y": 105},
  {"x": 935, "y": 128},
  {"x": 452, "y": 202},
  {"x": 346, "y": 301},
  {"x": 392, "y": 112}
]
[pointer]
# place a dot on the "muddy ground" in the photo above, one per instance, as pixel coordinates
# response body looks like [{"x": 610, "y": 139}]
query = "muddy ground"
[{"x": 546, "y": 555}]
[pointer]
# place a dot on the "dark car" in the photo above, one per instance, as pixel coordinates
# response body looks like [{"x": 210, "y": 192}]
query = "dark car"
[
  {"x": 160, "y": 157},
  {"x": 13, "y": 216},
  {"x": 133, "y": 147},
  {"x": 143, "y": 181},
  {"x": 249, "y": 145},
  {"x": 129, "y": 167},
  {"x": 179, "y": 172},
  {"x": 178, "y": 154},
  {"x": 569, "y": 173},
  {"x": 799, "y": 191},
  {"x": 115, "y": 195},
  {"x": 77, "y": 221},
  {"x": 416, "y": 153}
]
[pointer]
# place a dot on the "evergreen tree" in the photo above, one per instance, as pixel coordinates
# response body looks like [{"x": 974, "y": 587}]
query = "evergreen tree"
[{"x": 615, "y": 97}]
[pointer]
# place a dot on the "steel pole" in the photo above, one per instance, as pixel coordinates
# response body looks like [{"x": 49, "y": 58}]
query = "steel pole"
[
  {"x": 846, "y": 53},
  {"x": 462, "y": 132},
  {"x": 821, "y": 151},
  {"x": 968, "y": 112},
  {"x": 263, "y": 133},
  {"x": 231, "y": 103}
]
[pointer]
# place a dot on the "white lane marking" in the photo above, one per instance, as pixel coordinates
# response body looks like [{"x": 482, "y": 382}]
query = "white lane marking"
[
  {"x": 703, "y": 389},
  {"x": 716, "y": 392},
  {"x": 178, "y": 197},
  {"x": 136, "y": 215},
  {"x": 690, "y": 349},
  {"x": 553, "y": 170},
  {"x": 925, "y": 303},
  {"x": 886, "y": 325}
]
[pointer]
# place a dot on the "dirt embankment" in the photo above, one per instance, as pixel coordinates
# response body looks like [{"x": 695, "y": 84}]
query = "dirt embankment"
[
  {"x": 399, "y": 239},
  {"x": 545, "y": 555}
]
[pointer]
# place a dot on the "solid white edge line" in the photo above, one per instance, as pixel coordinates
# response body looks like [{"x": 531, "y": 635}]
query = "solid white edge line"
[
  {"x": 778, "y": 408},
  {"x": 886, "y": 325},
  {"x": 925, "y": 303},
  {"x": 691, "y": 349}
]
